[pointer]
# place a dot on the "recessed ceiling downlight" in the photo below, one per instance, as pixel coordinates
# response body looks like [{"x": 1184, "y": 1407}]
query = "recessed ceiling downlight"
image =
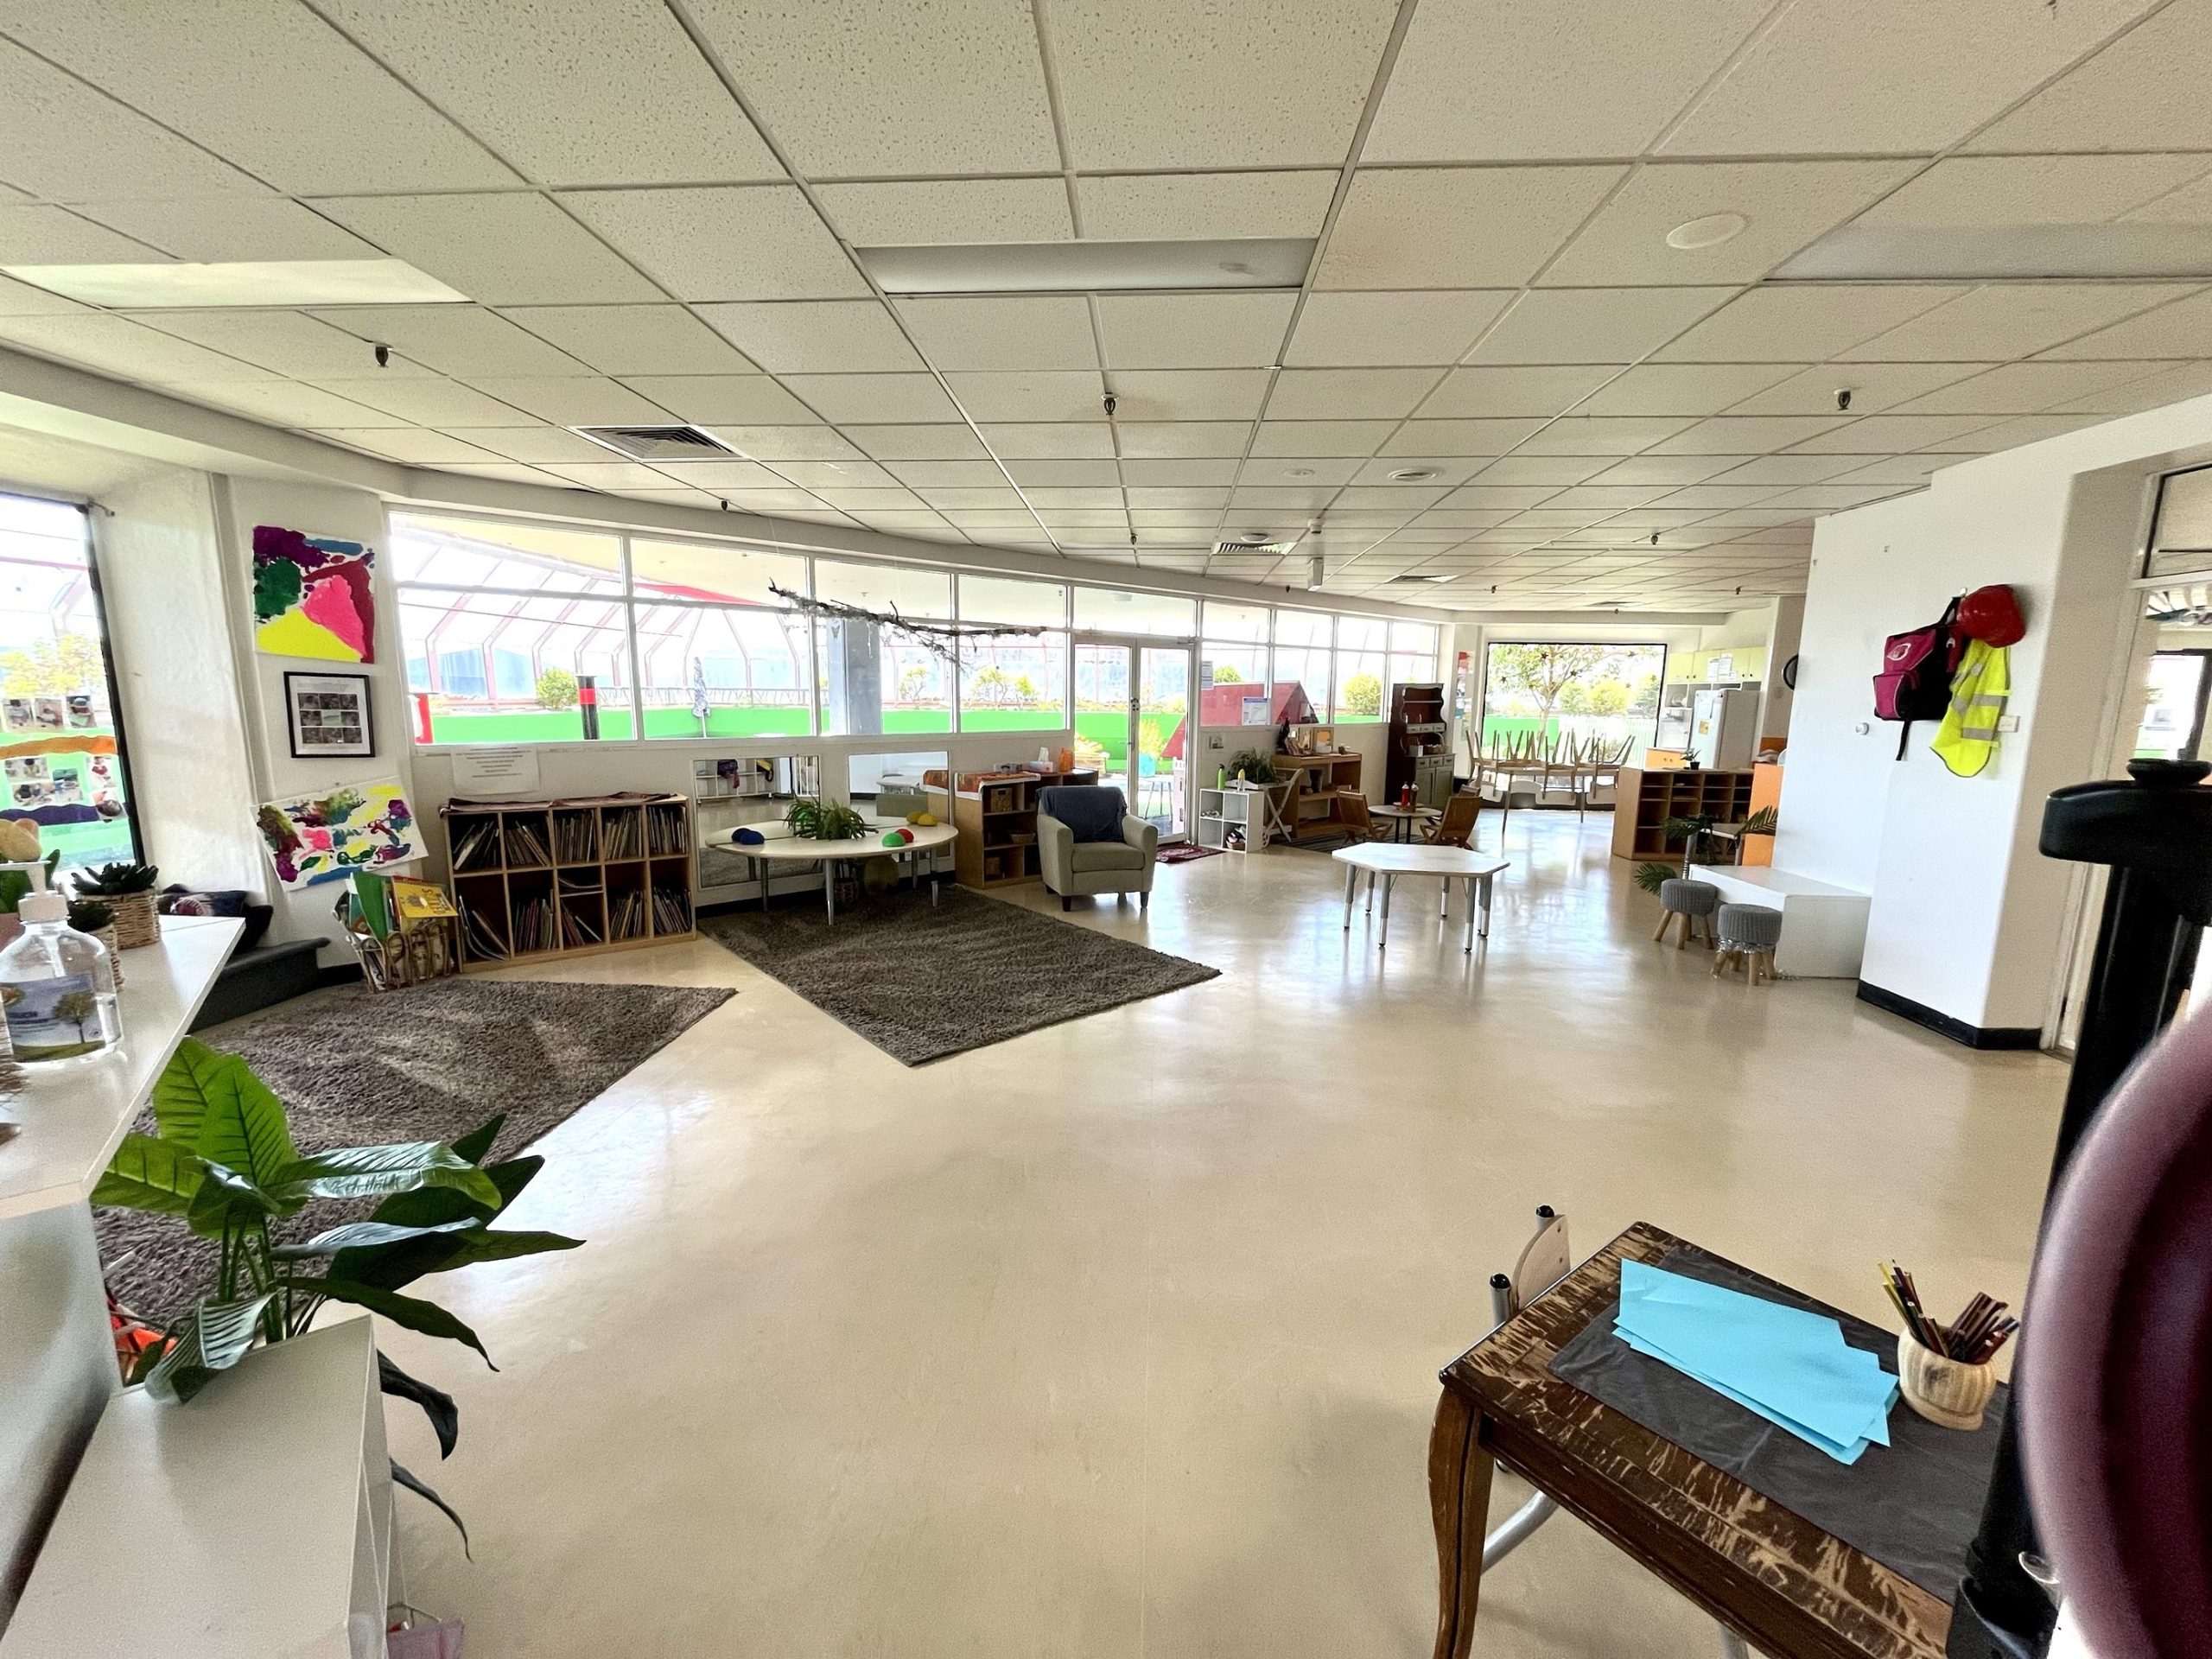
[{"x": 1708, "y": 232}]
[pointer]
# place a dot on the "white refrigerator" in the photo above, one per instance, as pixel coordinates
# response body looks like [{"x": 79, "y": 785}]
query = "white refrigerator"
[{"x": 1724, "y": 728}]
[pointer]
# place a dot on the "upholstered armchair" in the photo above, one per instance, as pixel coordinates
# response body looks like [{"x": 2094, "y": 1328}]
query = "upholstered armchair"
[{"x": 1087, "y": 843}]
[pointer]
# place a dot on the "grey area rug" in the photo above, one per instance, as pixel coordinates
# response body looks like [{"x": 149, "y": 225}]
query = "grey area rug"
[
  {"x": 921, "y": 983},
  {"x": 357, "y": 1069}
]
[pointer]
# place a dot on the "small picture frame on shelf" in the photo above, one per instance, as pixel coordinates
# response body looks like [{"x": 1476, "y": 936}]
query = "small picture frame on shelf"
[{"x": 328, "y": 715}]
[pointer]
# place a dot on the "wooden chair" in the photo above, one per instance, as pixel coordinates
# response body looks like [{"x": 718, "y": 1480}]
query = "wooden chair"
[
  {"x": 1352, "y": 814},
  {"x": 1457, "y": 827}
]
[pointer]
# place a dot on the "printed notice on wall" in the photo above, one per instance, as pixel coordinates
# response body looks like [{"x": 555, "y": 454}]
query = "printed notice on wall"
[{"x": 512, "y": 770}]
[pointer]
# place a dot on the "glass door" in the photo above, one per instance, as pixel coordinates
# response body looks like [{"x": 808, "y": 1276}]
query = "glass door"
[{"x": 1131, "y": 700}]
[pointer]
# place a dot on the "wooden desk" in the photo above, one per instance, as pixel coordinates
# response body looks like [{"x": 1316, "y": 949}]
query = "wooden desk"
[
  {"x": 1780, "y": 1582},
  {"x": 1309, "y": 805}
]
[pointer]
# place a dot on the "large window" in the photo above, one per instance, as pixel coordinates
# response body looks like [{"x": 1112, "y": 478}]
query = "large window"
[
  {"x": 61, "y": 736},
  {"x": 1014, "y": 682},
  {"x": 873, "y": 678},
  {"x": 722, "y": 653},
  {"x": 1538, "y": 693}
]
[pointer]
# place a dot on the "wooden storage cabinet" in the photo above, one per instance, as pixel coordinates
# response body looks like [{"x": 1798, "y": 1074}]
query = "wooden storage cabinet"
[
  {"x": 996, "y": 815},
  {"x": 1309, "y": 807},
  {"x": 537, "y": 879},
  {"x": 1645, "y": 799}
]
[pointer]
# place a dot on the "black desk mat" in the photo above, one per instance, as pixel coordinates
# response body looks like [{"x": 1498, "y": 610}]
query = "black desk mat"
[{"x": 1913, "y": 1505}]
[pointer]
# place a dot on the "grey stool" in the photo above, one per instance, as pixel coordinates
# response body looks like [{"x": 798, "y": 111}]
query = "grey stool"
[
  {"x": 1748, "y": 936},
  {"x": 1689, "y": 901}
]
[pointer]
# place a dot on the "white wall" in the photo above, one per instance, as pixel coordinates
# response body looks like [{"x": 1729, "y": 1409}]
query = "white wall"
[
  {"x": 1785, "y": 626},
  {"x": 1968, "y": 919}
]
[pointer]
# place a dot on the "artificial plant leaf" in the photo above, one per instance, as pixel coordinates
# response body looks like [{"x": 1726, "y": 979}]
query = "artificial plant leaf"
[
  {"x": 410, "y": 1312},
  {"x": 242, "y": 1123},
  {"x": 435, "y": 1205},
  {"x": 437, "y": 1405},
  {"x": 364, "y": 1235},
  {"x": 476, "y": 1144},
  {"x": 147, "y": 1358},
  {"x": 181, "y": 1094},
  {"x": 212, "y": 1338},
  {"x": 150, "y": 1174},
  {"x": 372, "y": 1171},
  {"x": 413, "y": 1484},
  {"x": 226, "y": 1199},
  {"x": 396, "y": 1265}
]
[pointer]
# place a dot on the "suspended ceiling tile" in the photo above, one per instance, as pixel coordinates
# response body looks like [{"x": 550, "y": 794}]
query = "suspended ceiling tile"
[
  {"x": 1596, "y": 499},
  {"x": 750, "y": 400},
  {"x": 498, "y": 250},
  {"x": 722, "y": 475},
  {"x": 1176, "y": 497},
  {"x": 41, "y": 235},
  {"x": 1194, "y": 331},
  {"x": 1066, "y": 474},
  {"x": 868, "y": 503},
  {"x": 1602, "y": 434},
  {"x": 1716, "y": 497},
  {"x": 1360, "y": 330},
  {"x": 1878, "y": 433},
  {"x": 1084, "y": 496},
  {"x": 2023, "y": 388},
  {"x": 752, "y": 242},
  {"x": 1169, "y": 439},
  {"x": 1522, "y": 389},
  {"x": 1038, "y": 331},
  {"x": 1320, "y": 437},
  {"x": 506, "y": 470},
  {"x": 1042, "y": 397},
  {"x": 959, "y": 210},
  {"x": 22, "y": 299},
  {"x": 2169, "y": 386},
  {"x": 236, "y": 78},
  {"x": 2145, "y": 91},
  {"x": 1801, "y": 324},
  {"x": 2010, "y": 190},
  {"x": 2002, "y": 322},
  {"x": 1607, "y": 325},
  {"x": 1738, "y": 434},
  {"x": 1142, "y": 83},
  {"x": 941, "y": 474},
  {"x": 499, "y": 402},
  {"x": 1480, "y": 80},
  {"x": 535, "y": 443},
  {"x": 1887, "y": 77},
  {"x": 116, "y": 346},
  {"x": 1189, "y": 394},
  {"x": 1350, "y": 394},
  {"x": 837, "y": 474},
  {"x": 985, "y": 517},
  {"x": 286, "y": 402},
  {"x": 1788, "y": 203},
  {"x": 2011, "y": 435},
  {"x": 1675, "y": 470},
  {"x": 2178, "y": 329},
  {"x": 1299, "y": 470},
  {"x": 633, "y": 339},
  {"x": 1458, "y": 227},
  {"x": 1778, "y": 472},
  {"x": 1467, "y": 437},
  {"x": 1019, "y": 439},
  {"x": 1888, "y": 469},
  {"x": 465, "y": 340},
  {"x": 929, "y": 441},
  {"x": 839, "y": 398},
  {"x": 1141, "y": 472},
  {"x": 283, "y": 342},
  {"x": 901, "y": 87},
  {"x": 2191, "y": 204},
  {"x": 1168, "y": 206},
  {"x": 611, "y": 474},
  {"x": 1446, "y": 469},
  {"x": 1873, "y": 387},
  {"x": 769, "y": 442},
  {"x": 1558, "y": 470},
  {"x": 613, "y": 92},
  {"x": 1003, "y": 501},
  {"x": 220, "y": 229},
  {"x": 1681, "y": 388},
  {"x": 68, "y": 142}
]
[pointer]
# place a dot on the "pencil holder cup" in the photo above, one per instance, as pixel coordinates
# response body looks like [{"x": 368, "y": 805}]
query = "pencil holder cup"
[{"x": 1945, "y": 1391}]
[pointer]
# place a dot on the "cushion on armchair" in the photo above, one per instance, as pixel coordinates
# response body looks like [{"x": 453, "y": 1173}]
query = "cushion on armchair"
[{"x": 1092, "y": 813}]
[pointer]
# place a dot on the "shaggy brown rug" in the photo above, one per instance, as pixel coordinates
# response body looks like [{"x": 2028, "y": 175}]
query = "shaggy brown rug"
[
  {"x": 922, "y": 982},
  {"x": 354, "y": 1068}
]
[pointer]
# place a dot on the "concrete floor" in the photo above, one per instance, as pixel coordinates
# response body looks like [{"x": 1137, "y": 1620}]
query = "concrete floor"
[{"x": 1120, "y": 1338}]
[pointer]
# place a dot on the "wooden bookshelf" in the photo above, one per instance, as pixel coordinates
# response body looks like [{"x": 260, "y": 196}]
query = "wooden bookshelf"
[
  {"x": 996, "y": 815},
  {"x": 538, "y": 880},
  {"x": 1418, "y": 754},
  {"x": 1643, "y": 801},
  {"x": 1310, "y": 808}
]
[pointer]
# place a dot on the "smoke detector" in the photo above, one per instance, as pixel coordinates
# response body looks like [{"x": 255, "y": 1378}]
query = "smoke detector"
[{"x": 656, "y": 442}]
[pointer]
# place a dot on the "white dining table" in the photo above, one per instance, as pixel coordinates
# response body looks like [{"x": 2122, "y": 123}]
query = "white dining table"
[
  {"x": 1389, "y": 860},
  {"x": 778, "y": 846}
]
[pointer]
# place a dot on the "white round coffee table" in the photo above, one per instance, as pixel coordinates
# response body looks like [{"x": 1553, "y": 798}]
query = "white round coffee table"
[
  {"x": 1447, "y": 864},
  {"x": 778, "y": 846}
]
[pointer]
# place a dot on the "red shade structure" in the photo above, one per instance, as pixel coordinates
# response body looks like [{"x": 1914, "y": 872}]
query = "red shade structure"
[{"x": 1223, "y": 705}]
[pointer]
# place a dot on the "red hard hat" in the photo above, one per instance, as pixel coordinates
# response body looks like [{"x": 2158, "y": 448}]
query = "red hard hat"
[{"x": 1991, "y": 615}]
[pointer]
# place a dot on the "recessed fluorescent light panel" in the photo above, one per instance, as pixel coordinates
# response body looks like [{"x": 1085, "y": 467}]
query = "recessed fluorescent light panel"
[
  {"x": 1919, "y": 253},
  {"x": 269, "y": 283},
  {"x": 1089, "y": 267}
]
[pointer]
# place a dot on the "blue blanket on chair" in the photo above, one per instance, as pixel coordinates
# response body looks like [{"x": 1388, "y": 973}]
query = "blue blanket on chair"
[{"x": 1093, "y": 812}]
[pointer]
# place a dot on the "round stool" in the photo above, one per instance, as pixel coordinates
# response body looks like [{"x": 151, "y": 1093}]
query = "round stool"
[
  {"x": 1681, "y": 897},
  {"x": 1748, "y": 936}
]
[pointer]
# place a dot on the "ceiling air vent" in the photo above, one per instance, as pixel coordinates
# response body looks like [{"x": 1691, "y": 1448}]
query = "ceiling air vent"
[
  {"x": 1278, "y": 549},
  {"x": 657, "y": 443},
  {"x": 1441, "y": 576}
]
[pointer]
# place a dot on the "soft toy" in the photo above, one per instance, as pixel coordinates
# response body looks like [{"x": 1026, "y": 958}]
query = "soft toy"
[
  {"x": 19, "y": 842},
  {"x": 749, "y": 838},
  {"x": 898, "y": 838},
  {"x": 924, "y": 819}
]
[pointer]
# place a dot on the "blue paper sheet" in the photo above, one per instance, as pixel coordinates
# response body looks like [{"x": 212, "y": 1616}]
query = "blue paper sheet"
[{"x": 1790, "y": 1366}]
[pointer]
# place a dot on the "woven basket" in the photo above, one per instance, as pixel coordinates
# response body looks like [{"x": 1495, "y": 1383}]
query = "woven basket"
[
  {"x": 137, "y": 924},
  {"x": 106, "y": 937}
]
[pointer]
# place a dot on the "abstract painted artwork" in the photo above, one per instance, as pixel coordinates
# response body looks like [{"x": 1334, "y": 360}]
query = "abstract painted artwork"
[
  {"x": 311, "y": 596},
  {"x": 355, "y": 827}
]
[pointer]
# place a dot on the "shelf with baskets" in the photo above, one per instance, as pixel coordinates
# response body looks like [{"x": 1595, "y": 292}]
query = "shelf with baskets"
[{"x": 539, "y": 879}]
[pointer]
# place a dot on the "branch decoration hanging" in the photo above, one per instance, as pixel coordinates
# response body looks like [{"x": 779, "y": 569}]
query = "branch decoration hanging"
[{"x": 941, "y": 637}]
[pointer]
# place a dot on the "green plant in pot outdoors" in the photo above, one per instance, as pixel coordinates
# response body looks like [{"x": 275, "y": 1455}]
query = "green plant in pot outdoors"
[
  {"x": 1252, "y": 766},
  {"x": 815, "y": 819},
  {"x": 130, "y": 889},
  {"x": 222, "y": 1159}
]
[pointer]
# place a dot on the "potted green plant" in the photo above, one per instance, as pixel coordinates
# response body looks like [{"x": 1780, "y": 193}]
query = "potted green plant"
[
  {"x": 1252, "y": 766},
  {"x": 129, "y": 888},
  {"x": 222, "y": 1159},
  {"x": 814, "y": 819}
]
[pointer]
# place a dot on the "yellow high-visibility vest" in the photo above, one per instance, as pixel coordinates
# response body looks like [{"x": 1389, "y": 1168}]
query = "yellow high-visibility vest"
[{"x": 1967, "y": 736}]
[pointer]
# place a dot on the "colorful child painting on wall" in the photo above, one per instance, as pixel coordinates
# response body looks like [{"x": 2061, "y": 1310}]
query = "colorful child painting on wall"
[
  {"x": 325, "y": 837},
  {"x": 311, "y": 596}
]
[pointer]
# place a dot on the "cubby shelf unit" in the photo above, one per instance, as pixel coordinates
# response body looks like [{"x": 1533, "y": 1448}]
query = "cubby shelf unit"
[
  {"x": 537, "y": 880},
  {"x": 1645, "y": 799}
]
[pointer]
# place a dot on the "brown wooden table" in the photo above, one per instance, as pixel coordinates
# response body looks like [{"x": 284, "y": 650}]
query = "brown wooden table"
[{"x": 1780, "y": 1582}]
